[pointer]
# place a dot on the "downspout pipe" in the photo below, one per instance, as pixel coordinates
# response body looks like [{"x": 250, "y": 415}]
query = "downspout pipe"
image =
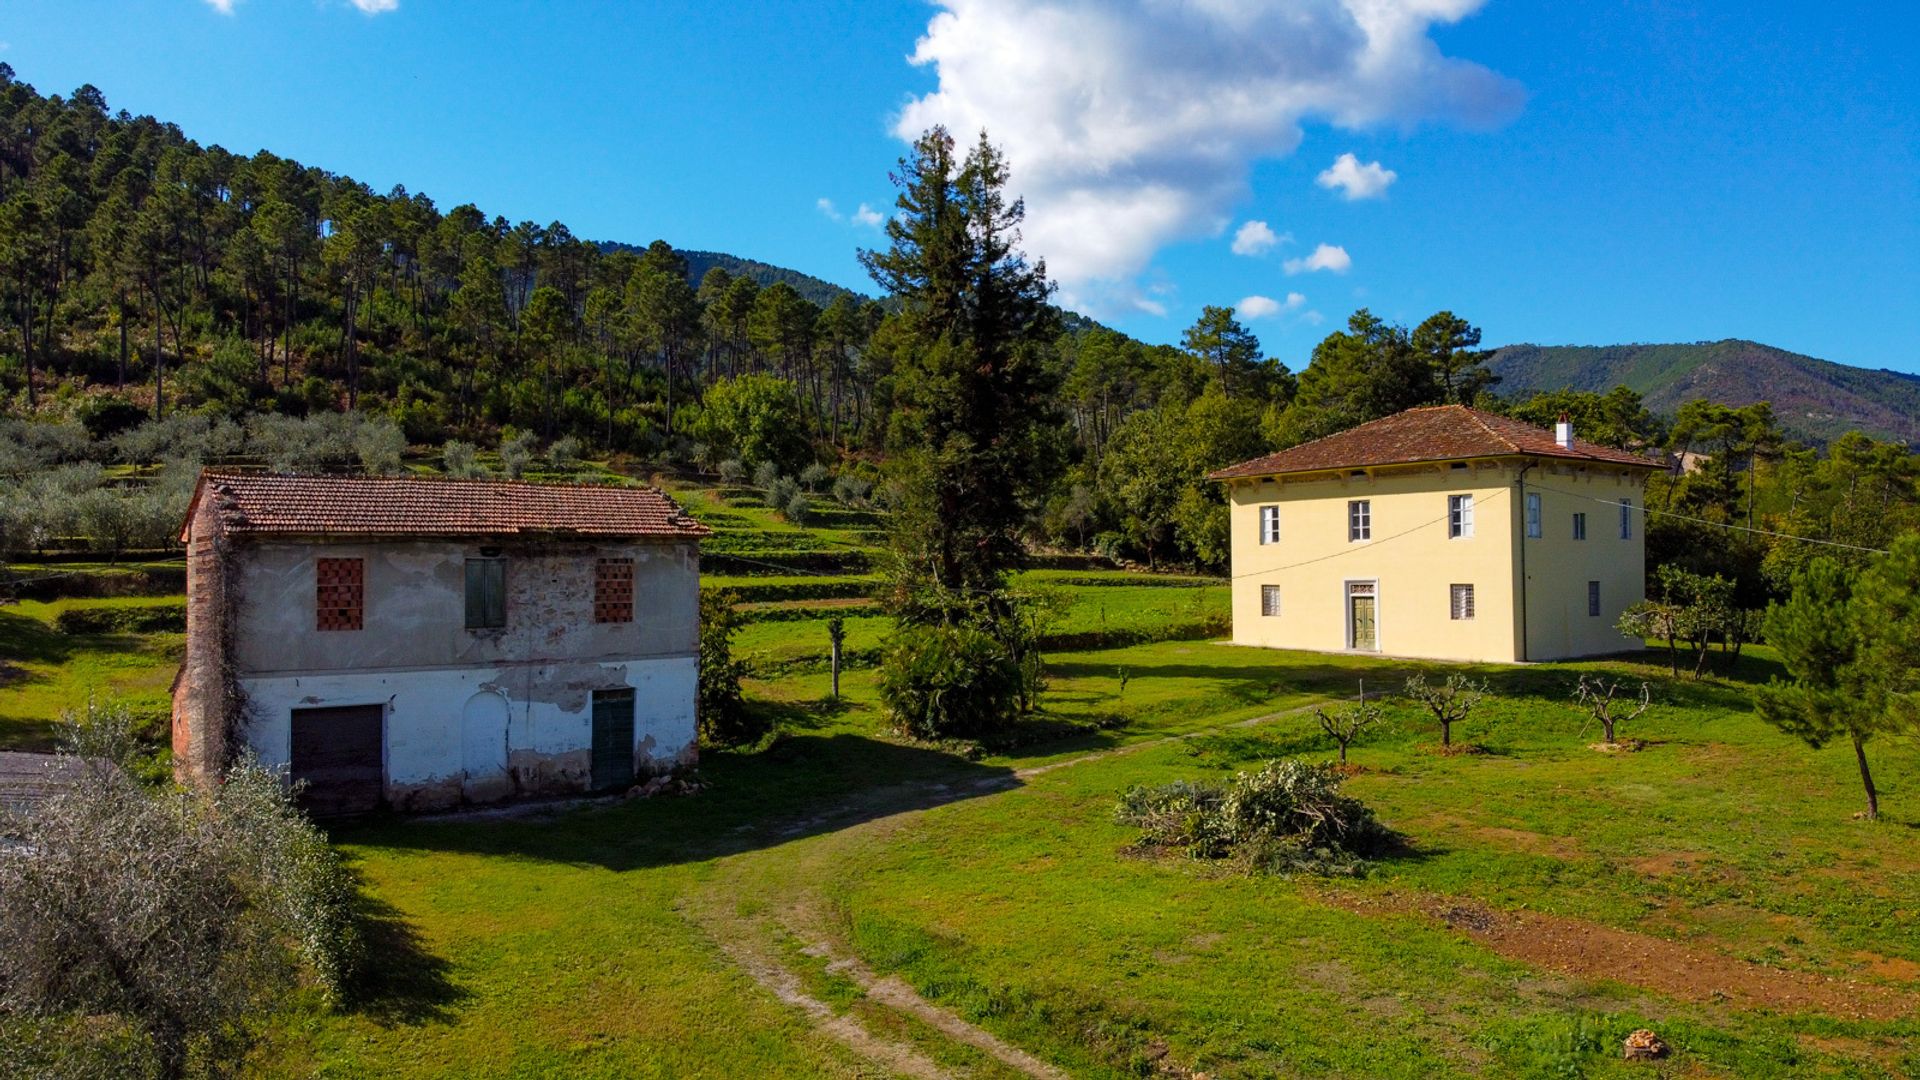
[{"x": 1525, "y": 627}]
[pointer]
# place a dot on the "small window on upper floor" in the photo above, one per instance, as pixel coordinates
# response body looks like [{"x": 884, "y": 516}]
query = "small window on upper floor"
[
  {"x": 1269, "y": 524},
  {"x": 1360, "y": 519},
  {"x": 1626, "y": 519},
  {"x": 1533, "y": 516},
  {"x": 486, "y": 594},
  {"x": 1459, "y": 516},
  {"x": 339, "y": 593},
  {"x": 613, "y": 591},
  {"x": 1579, "y": 526}
]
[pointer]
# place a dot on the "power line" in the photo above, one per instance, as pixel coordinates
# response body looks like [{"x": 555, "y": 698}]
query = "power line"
[
  {"x": 1715, "y": 524},
  {"x": 1355, "y": 549}
]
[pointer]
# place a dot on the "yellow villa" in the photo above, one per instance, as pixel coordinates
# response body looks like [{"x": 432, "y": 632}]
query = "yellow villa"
[{"x": 1443, "y": 533}]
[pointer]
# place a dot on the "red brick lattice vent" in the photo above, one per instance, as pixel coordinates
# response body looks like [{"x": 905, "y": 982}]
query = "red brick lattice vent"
[
  {"x": 339, "y": 591},
  {"x": 613, "y": 591}
]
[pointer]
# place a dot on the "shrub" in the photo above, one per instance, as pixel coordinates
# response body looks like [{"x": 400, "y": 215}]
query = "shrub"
[
  {"x": 460, "y": 459},
  {"x": 564, "y": 454},
  {"x": 725, "y": 719},
  {"x": 813, "y": 476},
  {"x": 733, "y": 471},
  {"x": 516, "y": 453},
  {"x": 124, "y": 619},
  {"x": 798, "y": 508},
  {"x": 1344, "y": 724},
  {"x": 850, "y": 490},
  {"x": 167, "y": 921},
  {"x": 1286, "y": 818},
  {"x": 765, "y": 474},
  {"x": 943, "y": 682},
  {"x": 780, "y": 492}
]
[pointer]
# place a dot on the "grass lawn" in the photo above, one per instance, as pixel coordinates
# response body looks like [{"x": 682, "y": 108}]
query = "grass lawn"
[
  {"x": 1758, "y": 928},
  {"x": 44, "y": 672}
]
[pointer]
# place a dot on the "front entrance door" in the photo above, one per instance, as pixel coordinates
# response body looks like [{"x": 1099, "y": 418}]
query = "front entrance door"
[
  {"x": 1363, "y": 621},
  {"x": 337, "y": 755},
  {"x": 612, "y": 739}
]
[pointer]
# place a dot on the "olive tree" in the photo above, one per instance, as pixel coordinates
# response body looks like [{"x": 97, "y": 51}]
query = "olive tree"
[{"x": 160, "y": 920}]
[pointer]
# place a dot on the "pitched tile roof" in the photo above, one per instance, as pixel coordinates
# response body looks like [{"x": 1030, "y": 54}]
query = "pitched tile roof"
[
  {"x": 396, "y": 506},
  {"x": 1431, "y": 433}
]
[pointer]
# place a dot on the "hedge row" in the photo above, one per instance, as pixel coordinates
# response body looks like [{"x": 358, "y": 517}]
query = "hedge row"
[
  {"x": 812, "y": 589},
  {"x": 124, "y": 619},
  {"x": 1079, "y": 641},
  {"x": 761, "y": 562},
  {"x": 52, "y": 583},
  {"x": 806, "y": 614}
]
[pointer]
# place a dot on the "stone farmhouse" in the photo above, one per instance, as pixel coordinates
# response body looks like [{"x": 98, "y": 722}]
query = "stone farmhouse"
[
  {"x": 1444, "y": 533},
  {"x": 417, "y": 643}
]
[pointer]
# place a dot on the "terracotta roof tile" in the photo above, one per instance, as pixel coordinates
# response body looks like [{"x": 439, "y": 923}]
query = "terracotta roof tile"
[
  {"x": 1431, "y": 433},
  {"x": 393, "y": 506}
]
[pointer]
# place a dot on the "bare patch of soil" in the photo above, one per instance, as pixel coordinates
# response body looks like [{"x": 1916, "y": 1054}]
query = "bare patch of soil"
[
  {"x": 1891, "y": 968},
  {"x": 1560, "y": 847},
  {"x": 1624, "y": 746},
  {"x": 1459, "y": 749},
  {"x": 1589, "y": 950}
]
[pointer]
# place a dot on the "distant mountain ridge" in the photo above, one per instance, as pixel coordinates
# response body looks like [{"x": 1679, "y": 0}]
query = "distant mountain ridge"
[
  {"x": 818, "y": 290},
  {"x": 1815, "y": 400}
]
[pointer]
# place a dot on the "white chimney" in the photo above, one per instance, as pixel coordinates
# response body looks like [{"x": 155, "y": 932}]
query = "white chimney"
[{"x": 1563, "y": 432}]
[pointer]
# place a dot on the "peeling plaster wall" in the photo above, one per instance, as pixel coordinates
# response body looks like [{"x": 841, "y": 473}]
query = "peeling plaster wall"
[
  {"x": 415, "y": 614},
  {"x": 548, "y": 729},
  {"x": 444, "y": 742}
]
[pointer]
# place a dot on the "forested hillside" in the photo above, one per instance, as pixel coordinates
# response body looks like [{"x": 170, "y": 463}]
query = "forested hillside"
[
  {"x": 165, "y": 304},
  {"x": 1814, "y": 400}
]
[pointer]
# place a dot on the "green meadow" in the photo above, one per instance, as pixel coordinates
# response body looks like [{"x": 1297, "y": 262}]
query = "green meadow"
[{"x": 839, "y": 901}]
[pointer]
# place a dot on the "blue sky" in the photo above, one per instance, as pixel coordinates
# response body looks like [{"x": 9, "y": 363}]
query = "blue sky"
[{"x": 1562, "y": 173}]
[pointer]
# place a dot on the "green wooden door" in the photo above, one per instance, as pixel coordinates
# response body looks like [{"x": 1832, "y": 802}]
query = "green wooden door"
[
  {"x": 612, "y": 739},
  {"x": 1362, "y": 616}
]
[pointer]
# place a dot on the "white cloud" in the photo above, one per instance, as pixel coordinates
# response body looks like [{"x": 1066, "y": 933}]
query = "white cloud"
[
  {"x": 375, "y": 7},
  {"x": 1324, "y": 257},
  {"x": 1264, "y": 307},
  {"x": 868, "y": 216},
  {"x": 1357, "y": 181},
  {"x": 224, "y": 7},
  {"x": 825, "y": 206},
  {"x": 1132, "y": 124},
  {"x": 1255, "y": 238}
]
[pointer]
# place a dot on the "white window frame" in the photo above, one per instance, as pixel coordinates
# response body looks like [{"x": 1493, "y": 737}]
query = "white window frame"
[
  {"x": 1359, "y": 520},
  {"x": 1626, "y": 519},
  {"x": 1455, "y": 608},
  {"x": 1270, "y": 524},
  {"x": 1580, "y": 526},
  {"x": 1269, "y": 601},
  {"x": 1533, "y": 515},
  {"x": 1460, "y": 517},
  {"x": 1593, "y": 599}
]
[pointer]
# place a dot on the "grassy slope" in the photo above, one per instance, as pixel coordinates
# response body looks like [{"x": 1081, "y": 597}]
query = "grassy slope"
[
  {"x": 596, "y": 944},
  {"x": 1815, "y": 399},
  {"x": 44, "y": 672}
]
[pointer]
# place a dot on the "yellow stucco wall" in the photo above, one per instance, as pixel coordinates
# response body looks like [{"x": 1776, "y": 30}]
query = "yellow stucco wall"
[{"x": 1415, "y": 562}]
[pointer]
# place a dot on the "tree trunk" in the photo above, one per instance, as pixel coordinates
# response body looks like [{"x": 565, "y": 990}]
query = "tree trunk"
[
  {"x": 159, "y": 365},
  {"x": 1866, "y": 778},
  {"x": 121, "y": 382},
  {"x": 1446, "y": 733}
]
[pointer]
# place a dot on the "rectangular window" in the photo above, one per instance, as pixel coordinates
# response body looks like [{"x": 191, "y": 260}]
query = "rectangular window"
[
  {"x": 486, "y": 594},
  {"x": 1459, "y": 516},
  {"x": 1626, "y": 519},
  {"x": 1533, "y": 516},
  {"x": 1269, "y": 524},
  {"x": 339, "y": 593},
  {"x": 1579, "y": 526},
  {"x": 1593, "y": 599},
  {"x": 1269, "y": 600},
  {"x": 1360, "y": 519},
  {"x": 1463, "y": 601},
  {"x": 613, "y": 591}
]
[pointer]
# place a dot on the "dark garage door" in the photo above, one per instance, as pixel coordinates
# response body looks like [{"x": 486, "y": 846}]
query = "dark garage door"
[{"x": 336, "y": 752}]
